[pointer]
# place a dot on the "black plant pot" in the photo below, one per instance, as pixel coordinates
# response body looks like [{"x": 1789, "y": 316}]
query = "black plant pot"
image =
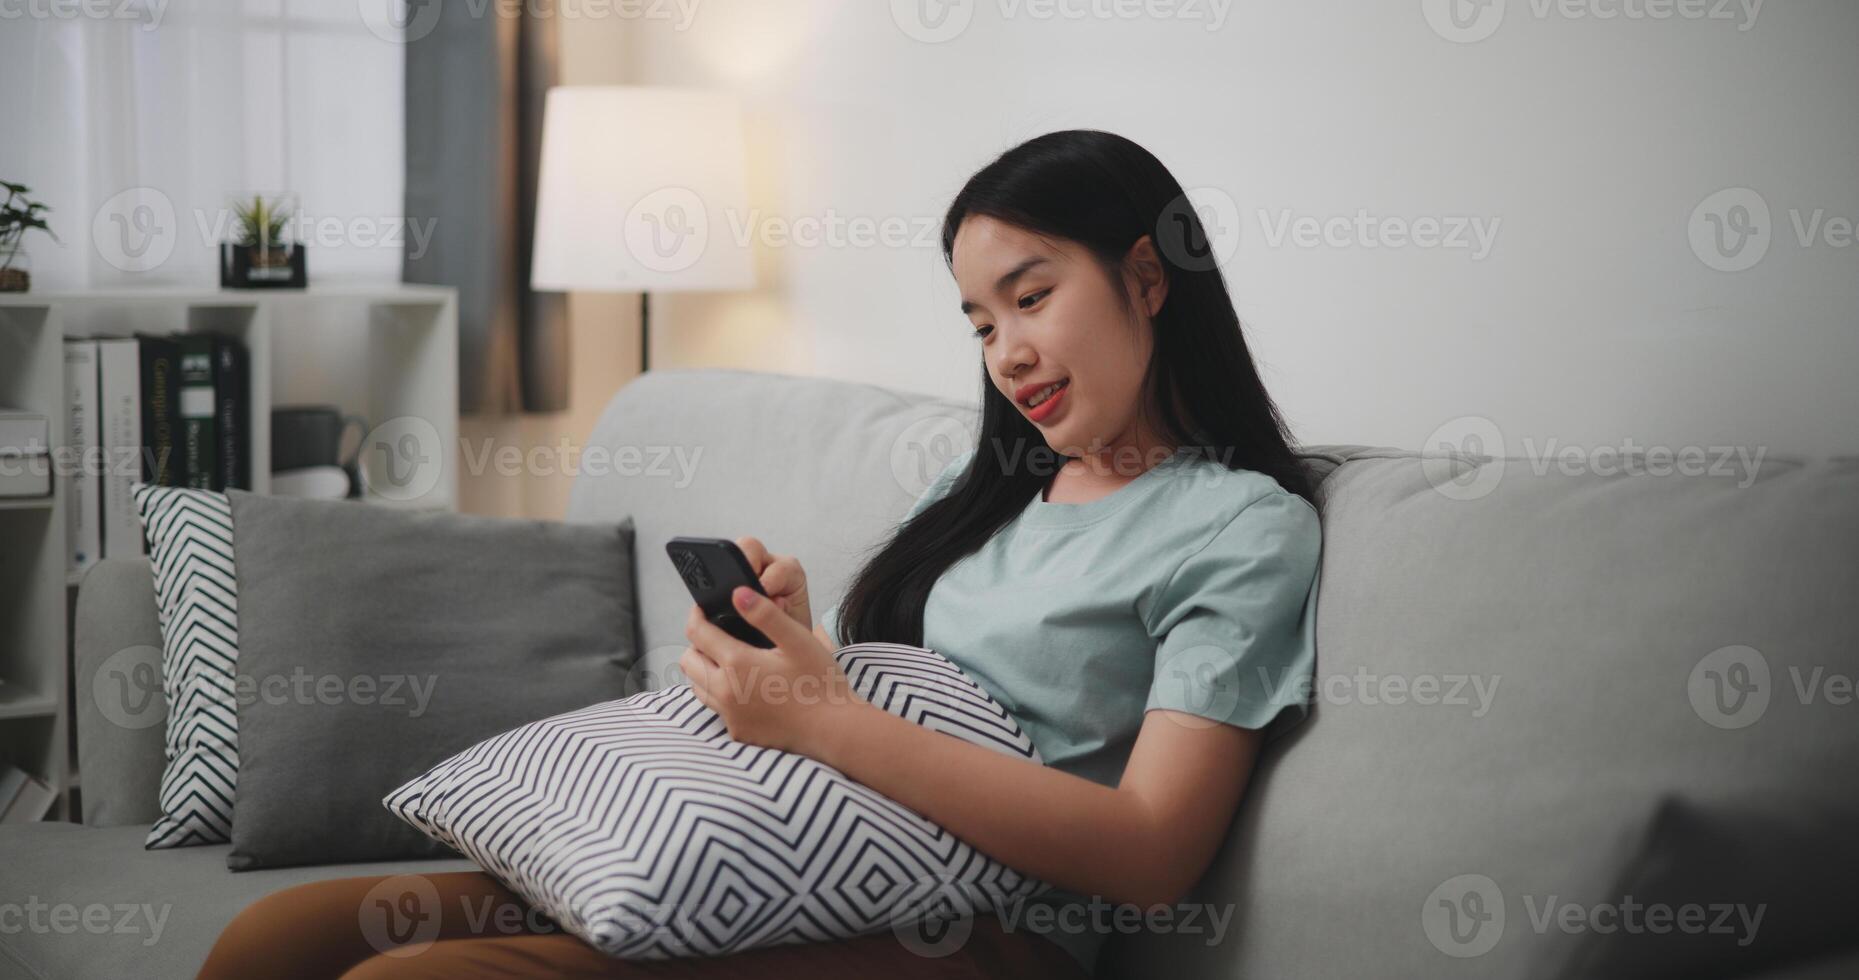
[{"x": 252, "y": 267}]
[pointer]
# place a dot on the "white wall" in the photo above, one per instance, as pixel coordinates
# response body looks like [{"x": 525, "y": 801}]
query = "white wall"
[{"x": 1588, "y": 142}]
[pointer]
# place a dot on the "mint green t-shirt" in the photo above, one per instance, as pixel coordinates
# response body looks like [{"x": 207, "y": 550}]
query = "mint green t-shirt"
[{"x": 1192, "y": 588}]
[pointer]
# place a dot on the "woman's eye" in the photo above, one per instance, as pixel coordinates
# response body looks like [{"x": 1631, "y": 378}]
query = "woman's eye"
[
  {"x": 981, "y": 333},
  {"x": 1027, "y": 301}
]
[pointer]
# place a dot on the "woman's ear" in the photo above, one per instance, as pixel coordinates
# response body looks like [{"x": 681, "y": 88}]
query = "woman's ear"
[{"x": 1145, "y": 269}]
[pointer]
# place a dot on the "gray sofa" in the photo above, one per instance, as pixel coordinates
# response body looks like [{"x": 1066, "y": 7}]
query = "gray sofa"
[{"x": 1505, "y": 683}]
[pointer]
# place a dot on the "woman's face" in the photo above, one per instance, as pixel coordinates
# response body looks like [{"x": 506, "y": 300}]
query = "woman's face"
[{"x": 1047, "y": 311}]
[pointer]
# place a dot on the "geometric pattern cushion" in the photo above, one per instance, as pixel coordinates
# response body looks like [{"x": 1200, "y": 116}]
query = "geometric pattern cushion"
[
  {"x": 640, "y": 826},
  {"x": 190, "y": 542}
]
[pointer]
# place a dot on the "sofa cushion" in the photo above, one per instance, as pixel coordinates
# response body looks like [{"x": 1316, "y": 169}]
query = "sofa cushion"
[
  {"x": 91, "y": 902},
  {"x": 643, "y": 828},
  {"x": 376, "y": 642}
]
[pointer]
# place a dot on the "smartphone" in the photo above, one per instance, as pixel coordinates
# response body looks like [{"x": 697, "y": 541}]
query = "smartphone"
[{"x": 712, "y": 568}]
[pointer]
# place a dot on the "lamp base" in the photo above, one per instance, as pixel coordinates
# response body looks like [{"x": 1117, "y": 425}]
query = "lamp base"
[{"x": 645, "y": 332}]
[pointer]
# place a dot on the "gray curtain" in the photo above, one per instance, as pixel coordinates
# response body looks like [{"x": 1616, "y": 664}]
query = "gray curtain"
[{"x": 474, "y": 92}]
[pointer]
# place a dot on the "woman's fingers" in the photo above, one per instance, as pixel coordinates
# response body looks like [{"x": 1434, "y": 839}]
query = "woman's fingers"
[
  {"x": 784, "y": 577},
  {"x": 710, "y": 642},
  {"x": 753, "y": 550},
  {"x": 771, "y": 619}
]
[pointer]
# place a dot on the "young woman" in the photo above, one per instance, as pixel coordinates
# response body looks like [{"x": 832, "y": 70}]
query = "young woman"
[{"x": 1126, "y": 560}]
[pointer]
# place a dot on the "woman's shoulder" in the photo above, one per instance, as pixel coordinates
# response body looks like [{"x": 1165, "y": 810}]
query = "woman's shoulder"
[{"x": 1223, "y": 493}]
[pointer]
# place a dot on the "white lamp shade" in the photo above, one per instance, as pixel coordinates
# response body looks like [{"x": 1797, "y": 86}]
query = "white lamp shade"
[{"x": 641, "y": 189}]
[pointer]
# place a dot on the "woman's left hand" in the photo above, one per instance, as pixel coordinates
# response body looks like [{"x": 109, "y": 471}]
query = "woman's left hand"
[{"x": 782, "y": 698}]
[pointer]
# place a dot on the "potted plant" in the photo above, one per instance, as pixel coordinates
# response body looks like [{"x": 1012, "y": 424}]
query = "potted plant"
[
  {"x": 262, "y": 255},
  {"x": 18, "y": 215}
]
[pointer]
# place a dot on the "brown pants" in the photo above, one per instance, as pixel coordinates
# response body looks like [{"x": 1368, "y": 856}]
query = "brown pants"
[{"x": 464, "y": 924}]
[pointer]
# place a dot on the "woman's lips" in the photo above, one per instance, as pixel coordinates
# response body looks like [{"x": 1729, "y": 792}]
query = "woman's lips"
[{"x": 1050, "y": 405}]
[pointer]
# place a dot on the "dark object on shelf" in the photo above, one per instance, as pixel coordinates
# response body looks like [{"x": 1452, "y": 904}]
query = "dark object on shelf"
[
  {"x": 311, "y": 436},
  {"x": 261, "y": 267}
]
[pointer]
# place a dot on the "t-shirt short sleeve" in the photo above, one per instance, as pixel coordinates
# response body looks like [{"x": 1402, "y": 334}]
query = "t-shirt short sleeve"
[
  {"x": 938, "y": 486},
  {"x": 1235, "y": 624}
]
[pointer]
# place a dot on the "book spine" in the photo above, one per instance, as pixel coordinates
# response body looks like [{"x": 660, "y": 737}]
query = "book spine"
[
  {"x": 83, "y": 518},
  {"x": 160, "y": 464},
  {"x": 119, "y": 389},
  {"x": 197, "y": 441},
  {"x": 231, "y": 394}
]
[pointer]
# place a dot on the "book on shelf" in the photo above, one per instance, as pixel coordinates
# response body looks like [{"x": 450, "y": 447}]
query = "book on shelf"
[
  {"x": 161, "y": 420},
  {"x": 199, "y": 440},
  {"x": 25, "y": 454},
  {"x": 84, "y": 481},
  {"x": 119, "y": 423}
]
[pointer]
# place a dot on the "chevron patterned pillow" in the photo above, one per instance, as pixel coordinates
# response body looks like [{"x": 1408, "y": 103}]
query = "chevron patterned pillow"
[
  {"x": 640, "y": 826},
  {"x": 190, "y": 541}
]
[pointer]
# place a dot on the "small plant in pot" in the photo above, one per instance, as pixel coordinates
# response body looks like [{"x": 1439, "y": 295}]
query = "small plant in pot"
[
  {"x": 18, "y": 215},
  {"x": 262, "y": 256}
]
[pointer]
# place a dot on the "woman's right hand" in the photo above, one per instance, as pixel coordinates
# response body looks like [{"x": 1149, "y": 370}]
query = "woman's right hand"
[{"x": 782, "y": 578}]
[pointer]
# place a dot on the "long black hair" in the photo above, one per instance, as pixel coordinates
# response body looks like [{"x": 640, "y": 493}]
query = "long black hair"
[{"x": 1103, "y": 192}]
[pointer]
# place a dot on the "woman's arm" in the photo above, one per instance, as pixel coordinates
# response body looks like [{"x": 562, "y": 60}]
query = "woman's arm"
[{"x": 1144, "y": 843}]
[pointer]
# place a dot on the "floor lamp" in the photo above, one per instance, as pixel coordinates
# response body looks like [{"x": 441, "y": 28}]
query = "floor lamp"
[{"x": 636, "y": 190}]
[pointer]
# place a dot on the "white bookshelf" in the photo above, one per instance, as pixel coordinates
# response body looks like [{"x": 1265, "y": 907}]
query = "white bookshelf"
[{"x": 380, "y": 351}]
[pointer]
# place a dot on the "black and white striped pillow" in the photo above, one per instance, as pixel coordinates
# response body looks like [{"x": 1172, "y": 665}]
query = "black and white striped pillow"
[
  {"x": 196, "y": 601},
  {"x": 640, "y": 826}
]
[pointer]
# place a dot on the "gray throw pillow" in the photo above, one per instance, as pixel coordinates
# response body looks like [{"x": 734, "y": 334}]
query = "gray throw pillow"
[{"x": 374, "y": 643}]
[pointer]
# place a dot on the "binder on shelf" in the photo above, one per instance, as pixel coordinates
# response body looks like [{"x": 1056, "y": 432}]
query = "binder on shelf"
[
  {"x": 119, "y": 388},
  {"x": 84, "y": 483},
  {"x": 232, "y": 401}
]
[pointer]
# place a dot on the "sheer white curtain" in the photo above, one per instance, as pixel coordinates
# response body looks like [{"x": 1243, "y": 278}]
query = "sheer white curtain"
[{"x": 140, "y": 130}]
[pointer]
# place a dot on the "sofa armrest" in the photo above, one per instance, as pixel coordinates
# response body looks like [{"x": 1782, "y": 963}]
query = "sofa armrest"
[{"x": 120, "y": 710}]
